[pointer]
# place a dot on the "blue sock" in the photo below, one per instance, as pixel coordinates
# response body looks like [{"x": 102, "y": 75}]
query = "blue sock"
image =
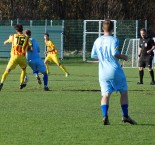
[
  {"x": 104, "y": 109},
  {"x": 124, "y": 109},
  {"x": 45, "y": 79}
]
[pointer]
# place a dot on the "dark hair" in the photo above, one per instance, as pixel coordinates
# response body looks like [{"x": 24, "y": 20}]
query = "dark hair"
[
  {"x": 46, "y": 34},
  {"x": 108, "y": 25},
  {"x": 143, "y": 29},
  {"x": 19, "y": 27},
  {"x": 27, "y": 32}
]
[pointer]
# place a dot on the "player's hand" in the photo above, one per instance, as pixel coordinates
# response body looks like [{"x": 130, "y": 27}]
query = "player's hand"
[
  {"x": 149, "y": 51},
  {"x": 125, "y": 57}
]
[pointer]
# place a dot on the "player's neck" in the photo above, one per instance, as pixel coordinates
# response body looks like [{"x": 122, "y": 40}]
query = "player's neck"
[{"x": 107, "y": 33}]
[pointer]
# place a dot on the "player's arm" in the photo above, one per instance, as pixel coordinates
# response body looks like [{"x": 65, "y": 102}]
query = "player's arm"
[
  {"x": 8, "y": 40},
  {"x": 139, "y": 51},
  {"x": 30, "y": 46},
  {"x": 93, "y": 52},
  {"x": 121, "y": 56},
  {"x": 153, "y": 47}
]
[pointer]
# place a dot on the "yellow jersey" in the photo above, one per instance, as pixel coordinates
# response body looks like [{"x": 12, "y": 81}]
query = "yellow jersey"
[
  {"x": 20, "y": 44},
  {"x": 51, "y": 47}
]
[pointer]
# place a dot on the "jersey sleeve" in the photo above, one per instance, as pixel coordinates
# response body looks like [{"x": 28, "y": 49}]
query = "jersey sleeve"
[
  {"x": 153, "y": 42},
  {"x": 93, "y": 52},
  {"x": 10, "y": 39},
  {"x": 115, "y": 47}
]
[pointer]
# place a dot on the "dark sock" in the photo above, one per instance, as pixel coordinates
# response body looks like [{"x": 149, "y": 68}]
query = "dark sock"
[
  {"x": 152, "y": 75},
  {"x": 141, "y": 74}
]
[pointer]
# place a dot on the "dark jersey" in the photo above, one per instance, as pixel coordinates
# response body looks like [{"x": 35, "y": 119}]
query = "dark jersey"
[{"x": 146, "y": 44}]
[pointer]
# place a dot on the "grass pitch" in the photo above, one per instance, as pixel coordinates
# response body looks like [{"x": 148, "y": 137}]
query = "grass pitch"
[{"x": 69, "y": 114}]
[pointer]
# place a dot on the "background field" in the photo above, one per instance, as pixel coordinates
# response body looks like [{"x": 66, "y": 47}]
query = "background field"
[{"x": 70, "y": 113}]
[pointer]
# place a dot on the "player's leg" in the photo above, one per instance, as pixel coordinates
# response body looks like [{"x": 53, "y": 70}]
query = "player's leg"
[
  {"x": 141, "y": 70},
  {"x": 41, "y": 67},
  {"x": 11, "y": 65},
  {"x": 46, "y": 61},
  {"x": 45, "y": 80},
  {"x": 149, "y": 64},
  {"x": 106, "y": 90},
  {"x": 124, "y": 106},
  {"x": 105, "y": 107},
  {"x": 23, "y": 64},
  {"x": 141, "y": 75},
  {"x": 57, "y": 61}
]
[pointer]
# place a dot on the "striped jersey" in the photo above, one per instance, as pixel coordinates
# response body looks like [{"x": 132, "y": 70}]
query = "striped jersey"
[
  {"x": 20, "y": 44},
  {"x": 50, "y": 46}
]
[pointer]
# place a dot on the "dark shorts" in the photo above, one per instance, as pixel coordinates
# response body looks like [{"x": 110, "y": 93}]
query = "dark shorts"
[{"x": 145, "y": 61}]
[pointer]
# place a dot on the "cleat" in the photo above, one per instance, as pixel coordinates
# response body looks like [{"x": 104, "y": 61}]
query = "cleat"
[
  {"x": 22, "y": 86},
  {"x": 46, "y": 89},
  {"x": 1, "y": 85},
  {"x": 152, "y": 83},
  {"x": 67, "y": 74},
  {"x": 39, "y": 80},
  {"x": 106, "y": 121},
  {"x": 139, "y": 83},
  {"x": 128, "y": 120}
]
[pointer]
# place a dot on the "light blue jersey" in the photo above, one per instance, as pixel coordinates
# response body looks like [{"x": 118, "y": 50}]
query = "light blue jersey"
[
  {"x": 34, "y": 59},
  {"x": 111, "y": 75}
]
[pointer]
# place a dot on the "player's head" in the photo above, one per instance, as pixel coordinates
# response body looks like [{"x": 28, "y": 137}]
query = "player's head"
[
  {"x": 46, "y": 36},
  {"x": 27, "y": 33},
  {"x": 143, "y": 32},
  {"x": 19, "y": 28},
  {"x": 108, "y": 25}
]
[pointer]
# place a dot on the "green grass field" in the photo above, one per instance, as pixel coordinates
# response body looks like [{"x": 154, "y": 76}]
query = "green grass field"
[{"x": 69, "y": 114}]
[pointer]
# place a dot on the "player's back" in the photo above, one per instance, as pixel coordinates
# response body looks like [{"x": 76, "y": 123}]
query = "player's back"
[
  {"x": 31, "y": 55},
  {"x": 20, "y": 44},
  {"x": 105, "y": 48}
]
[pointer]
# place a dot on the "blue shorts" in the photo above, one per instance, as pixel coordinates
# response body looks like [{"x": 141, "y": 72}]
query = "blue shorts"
[
  {"x": 37, "y": 65},
  {"x": 109, "y": 86}
]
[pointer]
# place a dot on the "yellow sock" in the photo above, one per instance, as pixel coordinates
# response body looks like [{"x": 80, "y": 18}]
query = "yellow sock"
[
  {"x": 22, "y": 76},
  {"x": 63, "y": 68},
  {"x": 47, "y": 68},
  {"x": 4, "y": 76}
]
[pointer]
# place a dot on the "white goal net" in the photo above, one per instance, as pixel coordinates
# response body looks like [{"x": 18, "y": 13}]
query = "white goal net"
[{"x": 130, "y": 48}]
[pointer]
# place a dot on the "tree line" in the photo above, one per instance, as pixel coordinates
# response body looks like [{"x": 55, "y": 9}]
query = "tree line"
[{"x": 77, "y": 9}]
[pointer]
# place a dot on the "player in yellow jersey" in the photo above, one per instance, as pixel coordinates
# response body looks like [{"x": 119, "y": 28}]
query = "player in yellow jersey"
[
  {"x": 52, "y": 55},
  {"x": 20, "y": 45}
]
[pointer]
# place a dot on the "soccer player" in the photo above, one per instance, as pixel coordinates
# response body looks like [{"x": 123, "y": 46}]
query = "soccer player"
[
  {"x": 145, "y": 54},
  {"x": 20, "y": 45},
  {"x": 111, "y": 75},
  {"x": 35, "y": 61},
  {"x": 52, "y": 55}
]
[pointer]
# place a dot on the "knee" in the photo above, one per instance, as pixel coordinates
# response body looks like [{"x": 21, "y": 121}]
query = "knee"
[
  {"x": 59, "y": 64},
  {"x": 7, "y": 70}
]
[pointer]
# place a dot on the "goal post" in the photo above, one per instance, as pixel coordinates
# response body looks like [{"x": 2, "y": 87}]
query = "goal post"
[
  {"x": 130, "y": 48},
  {"x": 91, "y": 30}
]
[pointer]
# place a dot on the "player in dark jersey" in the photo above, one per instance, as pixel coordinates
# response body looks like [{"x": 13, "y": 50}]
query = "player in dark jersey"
[{"x": 145, "y": 54}]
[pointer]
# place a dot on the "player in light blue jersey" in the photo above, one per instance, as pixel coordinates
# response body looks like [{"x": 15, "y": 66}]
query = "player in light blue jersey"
[
  {"x": 111, "y": 74},
  {"x": 35, "y": 61}
]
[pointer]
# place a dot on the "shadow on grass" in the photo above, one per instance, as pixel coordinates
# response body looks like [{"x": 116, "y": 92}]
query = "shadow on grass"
[{"x": 82, "y": 90}]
